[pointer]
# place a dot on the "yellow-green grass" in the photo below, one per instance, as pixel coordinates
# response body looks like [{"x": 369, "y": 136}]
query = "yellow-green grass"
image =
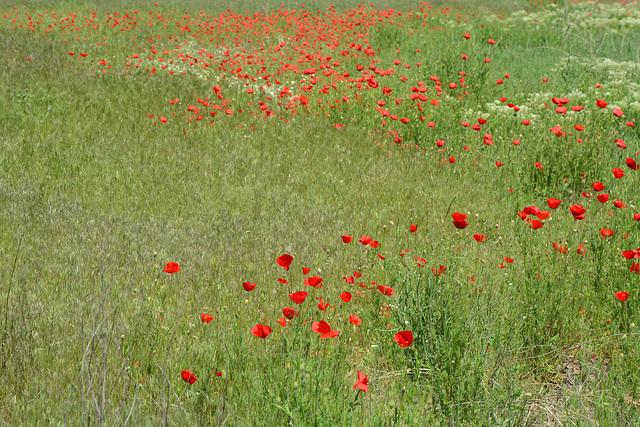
[{"x": 97, "y": 197}]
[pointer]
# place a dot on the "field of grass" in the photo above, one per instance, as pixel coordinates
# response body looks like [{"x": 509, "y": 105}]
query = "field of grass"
[{"x": 137, "y": 137}]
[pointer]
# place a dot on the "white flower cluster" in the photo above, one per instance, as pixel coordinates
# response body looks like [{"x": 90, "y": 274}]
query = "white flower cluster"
[{"x": 583, "y": 15}]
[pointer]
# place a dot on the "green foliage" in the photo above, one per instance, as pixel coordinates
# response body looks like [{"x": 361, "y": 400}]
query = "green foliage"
[{"x": 98, "y": 194}]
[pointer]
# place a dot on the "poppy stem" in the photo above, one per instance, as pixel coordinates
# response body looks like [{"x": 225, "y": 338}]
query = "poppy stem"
[
  {"x": 355, "y": 401},
  {"x": 626, "y": 315},
  {"x": 447, "y": 213}
]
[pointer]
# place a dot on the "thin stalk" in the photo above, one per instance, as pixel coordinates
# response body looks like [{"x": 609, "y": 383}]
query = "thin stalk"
[{"x": 13, "y": 269}]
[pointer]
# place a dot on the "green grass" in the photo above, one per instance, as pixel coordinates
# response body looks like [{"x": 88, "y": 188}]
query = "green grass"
[{"x": 98, "y": 195}]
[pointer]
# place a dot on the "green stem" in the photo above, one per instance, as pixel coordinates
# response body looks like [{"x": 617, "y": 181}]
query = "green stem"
[{"x": 626, "y": 315}]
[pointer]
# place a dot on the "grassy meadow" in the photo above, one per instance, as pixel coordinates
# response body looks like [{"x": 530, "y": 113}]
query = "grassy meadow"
[{"x": 454, "y": 183}]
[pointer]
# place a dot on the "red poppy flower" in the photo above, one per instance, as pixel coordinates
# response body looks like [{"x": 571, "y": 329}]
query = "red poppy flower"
[
  {"x": 581, "y": 250},
  {"x": 386, "y": 290},
  {"x": 404, "y": 338},
  {"x": 631, "y": 254},
  {"x": 636, "y": 216},
  {"x": 635, "y": 267},
  {"x": 324, "y": 328},
  {"x": 579, "y": 128},
  {"x": 577, "y": 211},
  {"x": 345, "y": 296},
  {"x": 598, "y": 186},
  {"x": 479, "y": 237},
  {"x": 619, "y": 204},
  {"x": 355, "y": 320},
  {"x": 206, "y": 318},
  {"x": 536, "y": 225},
  {"x": 305, "y": 270},
  {"x": 618, "y": 173},
  {"x": 531, "y": 210},
  {"x": 284, "y": 261},
  {"x": 442, "y": 269},
  {"x": 320, "y": 327},
  {"x": 618, "y": 112},
  {"x": 452, "y": 159},
  {"x": 329, "y": 334},
  {"x": 420, "y": 262},
  {"x": 290, "y": 313},
  {"x": 248, "y": 286},
  {"x": 553, "y": 203},
  {"x": 557, "y": 130},
  {"x": 620, "y": 143},
  {"x": 261, "y": 331},
  {"x": 413, "y": 228},
  {"x": 605, "y": 232},
  {"x": 282, "y": 321},
  {"x": 365, "y": 240},
  {"x": 600, "y": 103},
  {"x": 347, "y": 239},
  {"x": 163, "y": 119},
  {"x": 188, "y": 376},
  {"x": 314, "y": 281},
  {"x": 298, "y": 297},
  {"x": 632, "y": 164},
  {"x": 622, "y": 296},
  {"x": 559, "y": 248},
  {"x": 539, "y": 165},
  {"x": 281, "y": 280},
  {"x": 543, "y": 214},
  {"x": 509, "y": 260},
  {"x": 603, "y": 198},
  {"x": 362, "y": 383},
  {"x": 459, "y": 220},
  {"x": 171, "y": 267}
]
